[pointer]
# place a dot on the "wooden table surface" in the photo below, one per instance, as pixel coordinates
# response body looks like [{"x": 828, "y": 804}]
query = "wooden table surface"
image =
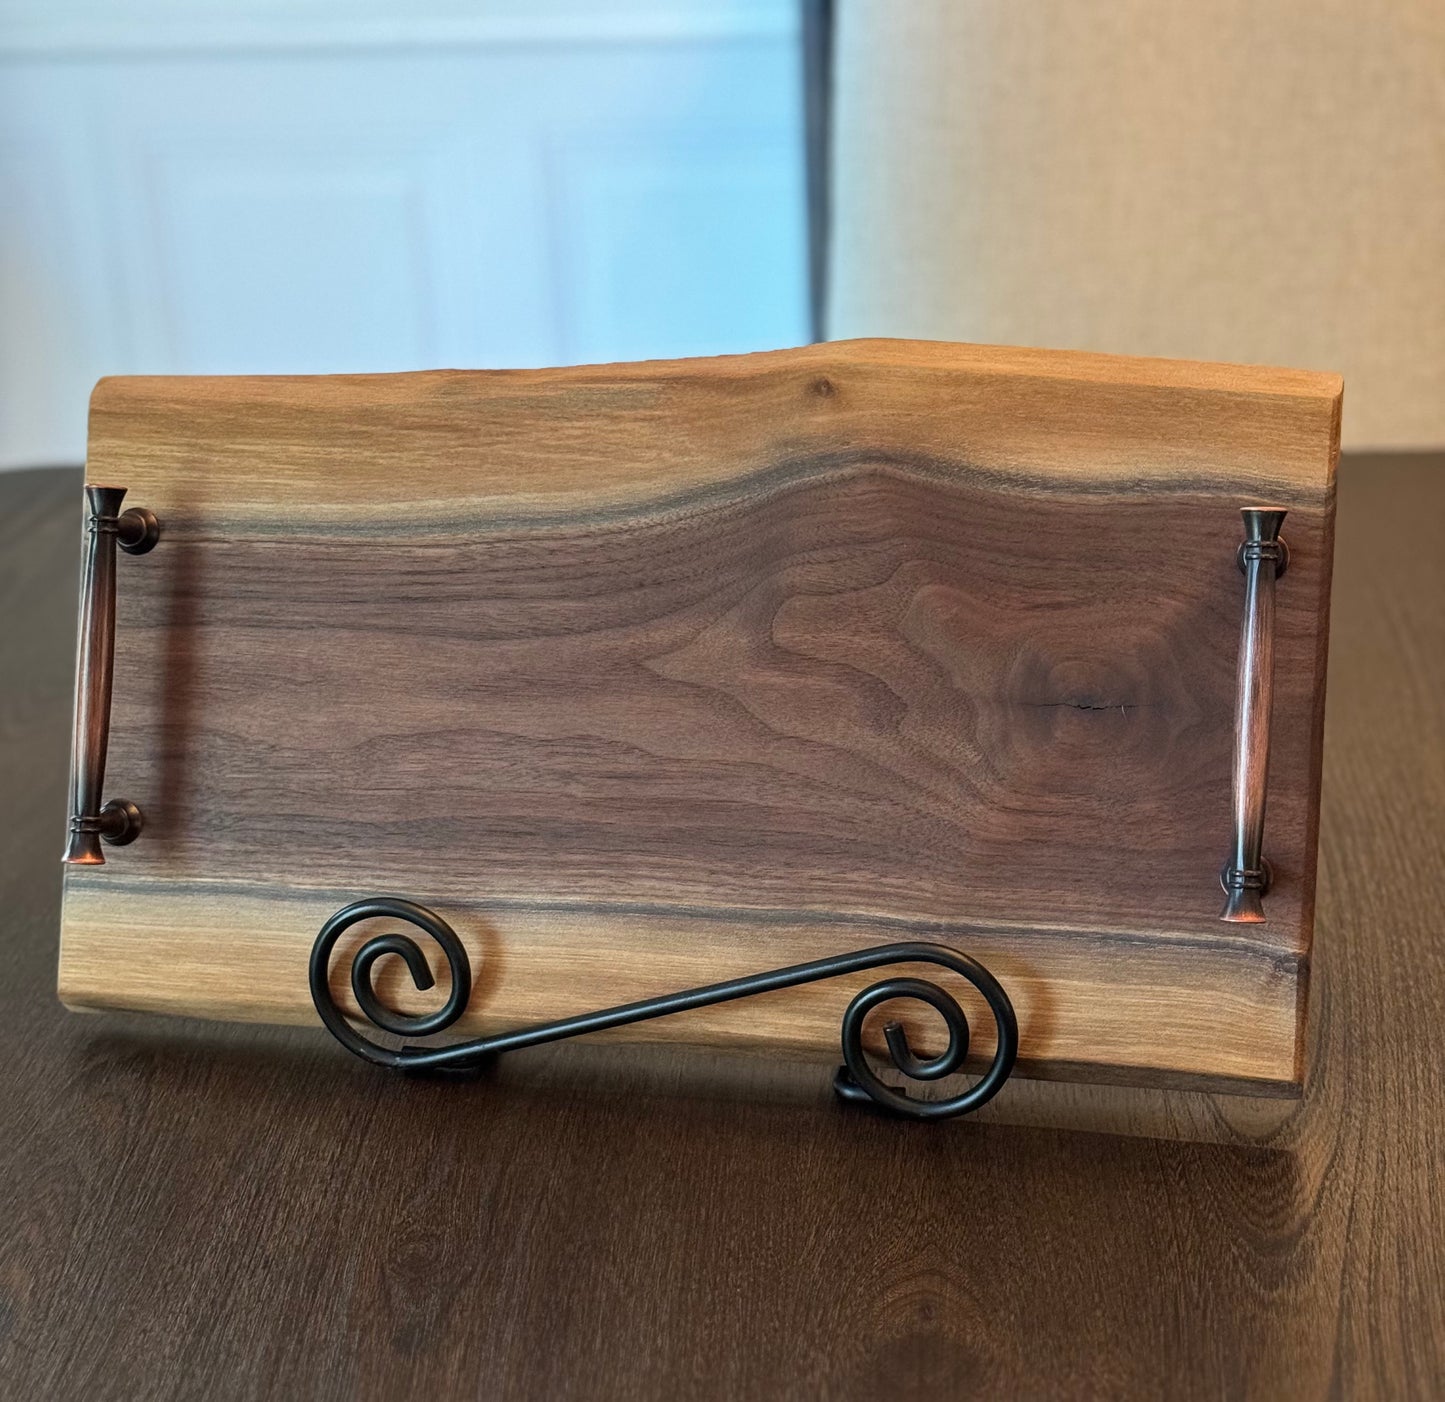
[{"x": 196, "y": 1211}]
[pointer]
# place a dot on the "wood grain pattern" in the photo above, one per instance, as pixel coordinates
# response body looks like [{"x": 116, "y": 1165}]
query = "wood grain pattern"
[
  {"x": 195, "y": 1210},
  {"x": 648, "y": 675}
]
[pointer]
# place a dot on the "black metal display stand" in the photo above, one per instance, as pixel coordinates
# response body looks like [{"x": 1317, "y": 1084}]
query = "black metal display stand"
[{"x": 854, "y": 1081}]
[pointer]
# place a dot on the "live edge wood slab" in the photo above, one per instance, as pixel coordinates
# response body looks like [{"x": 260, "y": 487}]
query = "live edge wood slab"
[{"x": 645, "y": 676}]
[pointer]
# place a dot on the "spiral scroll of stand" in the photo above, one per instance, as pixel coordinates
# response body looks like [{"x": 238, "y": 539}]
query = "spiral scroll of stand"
[{"x": 856, "y": 1080}]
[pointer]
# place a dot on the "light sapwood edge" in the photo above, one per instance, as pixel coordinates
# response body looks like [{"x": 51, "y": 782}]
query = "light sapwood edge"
[
  {"x": 1081, "y": 367},
  {"x": 1218, "y": 1019},
  {"x": 542, "y": 440}
]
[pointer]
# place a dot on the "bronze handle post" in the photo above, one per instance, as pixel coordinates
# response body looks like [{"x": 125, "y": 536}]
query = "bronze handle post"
[
  {"x": 119, "y": 821},
  {"x": 1263, "y": 557}
]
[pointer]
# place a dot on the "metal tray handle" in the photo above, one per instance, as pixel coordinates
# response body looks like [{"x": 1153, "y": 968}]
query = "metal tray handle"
[
  {"x": 1263, "y": 557},
  {"x": 119, "y": 821}
]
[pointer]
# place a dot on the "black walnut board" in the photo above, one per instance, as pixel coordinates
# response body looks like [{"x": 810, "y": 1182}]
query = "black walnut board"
[{"x": 645, "y": 676}]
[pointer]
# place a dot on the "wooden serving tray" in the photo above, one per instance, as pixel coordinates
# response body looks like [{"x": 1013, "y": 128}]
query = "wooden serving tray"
[{"x": 651, "y": 675}]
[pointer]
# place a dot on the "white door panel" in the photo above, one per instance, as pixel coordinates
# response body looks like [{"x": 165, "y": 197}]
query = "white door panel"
[
  {"x": 322, "y": 207},
  {"x": 628, "y": 218}
]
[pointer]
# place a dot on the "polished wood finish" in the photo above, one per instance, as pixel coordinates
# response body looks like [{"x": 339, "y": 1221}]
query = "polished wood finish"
[
  {"x": 647, "y": 676},
  {"x": 200, "y": 1211}
]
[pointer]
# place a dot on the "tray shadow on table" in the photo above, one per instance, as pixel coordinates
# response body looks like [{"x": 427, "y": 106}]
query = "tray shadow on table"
[{"x": 306, "y": 1082}]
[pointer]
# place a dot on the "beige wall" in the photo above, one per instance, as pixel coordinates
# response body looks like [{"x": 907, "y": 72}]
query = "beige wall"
[{"x": 1248, "y": 180}]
